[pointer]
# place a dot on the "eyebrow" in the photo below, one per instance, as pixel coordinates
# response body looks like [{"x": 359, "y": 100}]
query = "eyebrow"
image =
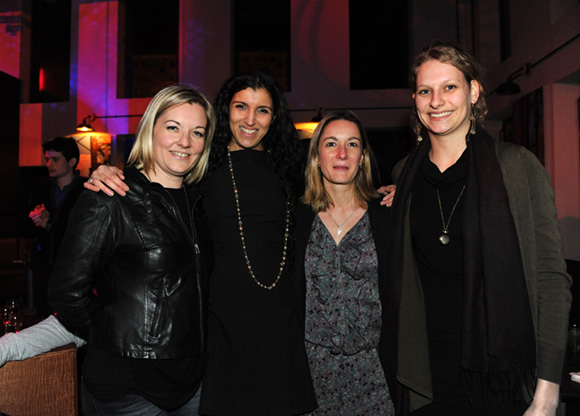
[
  {"x": 246, "y": 104},
  {"x": 335, "y": 138},
  {"x": 446, "y": 81},
  {"x": 177, "y": 122}
]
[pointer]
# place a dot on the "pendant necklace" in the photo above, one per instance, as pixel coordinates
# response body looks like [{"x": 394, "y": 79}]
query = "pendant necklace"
[
  {"x": 444, "y": 237},
  {"x": 338, "y": 229},
  {"x": 241, "y": 228}
]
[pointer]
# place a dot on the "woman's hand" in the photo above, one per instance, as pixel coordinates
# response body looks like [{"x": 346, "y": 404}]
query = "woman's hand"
[
  {"x": 107, "y": 179},
  {"x": 546, "y": 399},
  {"x": 389, "y": 194}
]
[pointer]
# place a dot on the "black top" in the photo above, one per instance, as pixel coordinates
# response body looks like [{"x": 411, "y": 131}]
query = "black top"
[
  {"x": 441, "y": 269},
  {"x": 257, "y": 362}
]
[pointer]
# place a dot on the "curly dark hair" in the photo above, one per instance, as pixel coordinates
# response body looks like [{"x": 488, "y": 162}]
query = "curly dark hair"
[{"x": 281, "y": 143}]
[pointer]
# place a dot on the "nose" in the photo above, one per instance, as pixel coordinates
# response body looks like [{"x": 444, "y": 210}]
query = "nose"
[
  {"x": 436, "y": 99},
  {"x": 342, "y": 154},
  {"x": 250, "y": 118},
  {"x": 183, "y": 140}
]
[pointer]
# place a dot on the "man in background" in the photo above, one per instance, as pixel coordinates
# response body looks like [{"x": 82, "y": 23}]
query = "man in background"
[{"x": 52, "y": 205}]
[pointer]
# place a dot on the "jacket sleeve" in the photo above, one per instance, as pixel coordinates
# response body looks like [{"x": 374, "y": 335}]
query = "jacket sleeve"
[
  {"x": 554, "y": 296},
  {"x": 83, "y": 258},
  {"x": 545, "y": 268}
]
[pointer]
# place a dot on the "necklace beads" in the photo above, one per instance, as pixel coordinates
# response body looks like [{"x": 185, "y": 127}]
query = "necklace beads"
[{"x": 243, "y": 239}]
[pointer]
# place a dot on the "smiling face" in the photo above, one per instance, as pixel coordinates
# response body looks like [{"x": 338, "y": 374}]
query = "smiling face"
[
  {"x": 178, "y": 140},
  {"x": 443, "y": 99},
  {"x": 340, "y": 152},
  {"x": 251, "y": 113}
]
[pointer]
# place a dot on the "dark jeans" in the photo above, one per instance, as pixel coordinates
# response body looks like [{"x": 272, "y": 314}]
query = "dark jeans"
[{"x": 134, "y": 405}]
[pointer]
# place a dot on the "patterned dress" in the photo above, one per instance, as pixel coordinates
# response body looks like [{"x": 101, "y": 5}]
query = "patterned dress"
[{"x": 343, "y": 322}]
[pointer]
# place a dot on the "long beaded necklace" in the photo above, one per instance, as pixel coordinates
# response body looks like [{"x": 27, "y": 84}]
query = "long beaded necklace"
[{"x": 241, "y": 228}]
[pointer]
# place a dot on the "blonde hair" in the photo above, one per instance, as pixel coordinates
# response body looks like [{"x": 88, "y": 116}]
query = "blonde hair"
[
  {"x": 141, "y": 156},
  {"x": 315, "y": 194}
]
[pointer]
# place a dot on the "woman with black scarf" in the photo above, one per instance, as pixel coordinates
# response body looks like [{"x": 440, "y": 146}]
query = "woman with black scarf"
[{"x": 479, "y": 295}]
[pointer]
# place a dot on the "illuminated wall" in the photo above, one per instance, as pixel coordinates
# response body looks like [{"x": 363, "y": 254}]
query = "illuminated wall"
[{"x": 10, "y": 37}]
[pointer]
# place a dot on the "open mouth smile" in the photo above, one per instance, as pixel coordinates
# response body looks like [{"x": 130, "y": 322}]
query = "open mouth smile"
[
  {"x": 248, "y": 131},
  {"x": 179, "y": 154},
  {"x": 441, "y": 115}
]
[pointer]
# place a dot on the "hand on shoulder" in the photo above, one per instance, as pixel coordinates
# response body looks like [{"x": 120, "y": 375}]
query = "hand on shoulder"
[{"x": 108, "y": 179}]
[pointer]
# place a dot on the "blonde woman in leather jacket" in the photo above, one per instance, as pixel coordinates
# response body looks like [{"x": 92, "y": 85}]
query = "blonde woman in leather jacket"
[{"x": 131, "y": 276}]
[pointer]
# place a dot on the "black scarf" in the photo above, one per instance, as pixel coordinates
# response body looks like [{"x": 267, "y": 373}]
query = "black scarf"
[{"x": 498, "y": 333}]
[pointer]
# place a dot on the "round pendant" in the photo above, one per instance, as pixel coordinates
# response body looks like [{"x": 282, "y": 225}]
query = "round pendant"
[{"x": 444, "y": 239}]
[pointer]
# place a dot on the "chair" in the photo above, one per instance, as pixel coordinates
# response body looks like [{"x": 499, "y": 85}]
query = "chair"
[{"x": 42, "y": 385}]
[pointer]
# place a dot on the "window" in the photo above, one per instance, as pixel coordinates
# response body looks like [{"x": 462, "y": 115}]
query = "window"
[
  {"x": 50, "y": 50},
  {"x": 262, "y": 38},
  {"x": 379, "y": 42},
  {"x": 148, "y": 47}
]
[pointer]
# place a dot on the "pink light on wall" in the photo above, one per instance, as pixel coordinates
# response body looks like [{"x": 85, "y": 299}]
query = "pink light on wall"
[
  {"x": 316, "y": 28},
  {"x": 10, "y": 43},
  {"x": 97, "y": 66},
  {"x": 30, "y": 153}
]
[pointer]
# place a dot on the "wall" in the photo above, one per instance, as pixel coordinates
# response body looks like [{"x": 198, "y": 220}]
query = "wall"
[
  {"x": 563, "y": 159},
  {"x": 320, "y": 68},
  {"x": 545, "y": 34},
  {"x": 538, "y": 29}
]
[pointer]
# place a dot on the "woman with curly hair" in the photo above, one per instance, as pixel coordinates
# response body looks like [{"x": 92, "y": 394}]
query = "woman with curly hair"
[{"x": 257, "y": 362}]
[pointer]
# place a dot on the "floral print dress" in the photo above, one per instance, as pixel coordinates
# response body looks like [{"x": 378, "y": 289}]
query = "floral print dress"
[{"x": 343, "y": 321}]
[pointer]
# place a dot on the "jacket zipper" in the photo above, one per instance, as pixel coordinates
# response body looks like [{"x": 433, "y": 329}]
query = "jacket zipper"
[
  {"x": 197, "y": 256},
  {"x": 197, "y": 272}
]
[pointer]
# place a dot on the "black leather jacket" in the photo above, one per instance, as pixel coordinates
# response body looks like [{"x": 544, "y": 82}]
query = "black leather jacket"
[{"x": 129, "y": 277}]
